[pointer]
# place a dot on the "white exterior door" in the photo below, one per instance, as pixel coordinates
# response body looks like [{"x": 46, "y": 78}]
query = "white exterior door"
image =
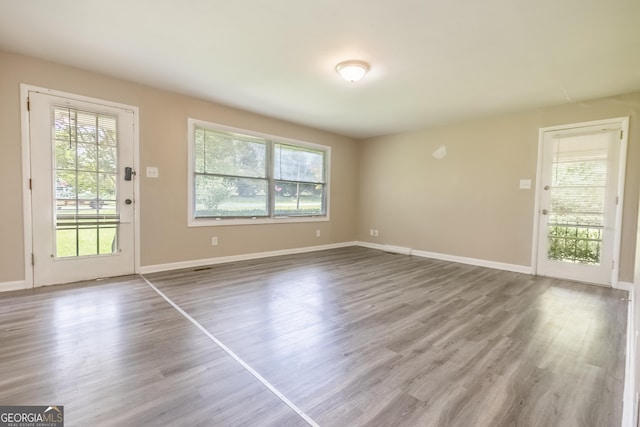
[
  {"x": 578, "y": 200},
  {"x": 82, "y": 194}
]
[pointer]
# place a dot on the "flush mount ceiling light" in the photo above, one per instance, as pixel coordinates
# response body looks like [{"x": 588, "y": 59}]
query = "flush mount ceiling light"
[{"x": 352, "y": 71}]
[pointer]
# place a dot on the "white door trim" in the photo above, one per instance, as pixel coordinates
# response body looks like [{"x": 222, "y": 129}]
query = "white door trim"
[
  {"x": 623, "y": 122},
  {"x": 26, "y": 170}
]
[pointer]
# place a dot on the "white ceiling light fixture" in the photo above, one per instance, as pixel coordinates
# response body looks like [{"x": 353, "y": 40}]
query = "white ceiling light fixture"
[{"x": 352, "y": 71}]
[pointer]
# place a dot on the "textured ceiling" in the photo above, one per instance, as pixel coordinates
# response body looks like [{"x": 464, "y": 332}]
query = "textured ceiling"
[{"x": 432, "y": 62}]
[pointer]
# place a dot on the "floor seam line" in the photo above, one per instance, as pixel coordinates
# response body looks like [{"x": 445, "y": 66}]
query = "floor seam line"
[{"x": 227, "y": 350}]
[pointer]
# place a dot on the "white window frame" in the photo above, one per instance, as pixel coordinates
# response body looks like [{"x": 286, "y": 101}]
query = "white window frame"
[{"x": 192, "y": 221}]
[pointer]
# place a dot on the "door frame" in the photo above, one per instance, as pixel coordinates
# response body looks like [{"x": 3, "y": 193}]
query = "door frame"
[
  {"x": 26, "y": 171},
  {"x": 623, "y": 123}
]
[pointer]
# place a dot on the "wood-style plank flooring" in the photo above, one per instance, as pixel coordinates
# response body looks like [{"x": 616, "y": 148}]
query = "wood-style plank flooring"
[
  {"x": 114, "y": 353},
  {"x": 353, "y": 337}
]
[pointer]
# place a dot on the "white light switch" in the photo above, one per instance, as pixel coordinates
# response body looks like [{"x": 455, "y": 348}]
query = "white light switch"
[
  {"x": 152, "y": 172},
  {"x": 525, "y": 184}
]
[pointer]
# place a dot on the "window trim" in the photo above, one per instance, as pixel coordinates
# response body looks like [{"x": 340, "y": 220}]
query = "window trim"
[{"x": 192, "y": 221}]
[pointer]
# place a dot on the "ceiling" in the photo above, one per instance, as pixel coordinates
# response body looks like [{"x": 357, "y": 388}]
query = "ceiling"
[{"x": 432, "y": 62}]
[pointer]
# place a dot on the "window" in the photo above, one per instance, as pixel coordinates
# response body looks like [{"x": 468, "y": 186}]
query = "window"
[
  {"x": 239, "y": 177},
  {"x": 85, "y": 172},
  {"x": 230, "y": 174}
]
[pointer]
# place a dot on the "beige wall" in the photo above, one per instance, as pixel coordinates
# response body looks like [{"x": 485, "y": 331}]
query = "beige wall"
[
  {"x": 635, "y": 317},
  {"x": 469, "y": 204},
  {"x": 165, "y": 237}
]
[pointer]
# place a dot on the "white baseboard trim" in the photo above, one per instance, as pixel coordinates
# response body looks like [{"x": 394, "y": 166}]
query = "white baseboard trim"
[
  {"x": 370, "y": 245},
  {"x": 13, "y": 286},
  {"x": 396, "y": 249},
  {"x": 629, "y": 396},
  {"x": 444, "y": 257},
  {"x": 386, "y": 248},
  {"x": 147, "y": 269},
  {"x": 475, "y": 261}
]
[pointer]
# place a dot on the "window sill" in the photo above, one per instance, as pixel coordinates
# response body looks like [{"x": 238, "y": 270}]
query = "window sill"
[{"x": 213, "y": 222}]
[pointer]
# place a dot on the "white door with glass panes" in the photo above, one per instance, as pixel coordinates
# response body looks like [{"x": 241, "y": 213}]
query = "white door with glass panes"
[
  {"x": 82, "y": 193},
  {"x": 579, "y": 197}
]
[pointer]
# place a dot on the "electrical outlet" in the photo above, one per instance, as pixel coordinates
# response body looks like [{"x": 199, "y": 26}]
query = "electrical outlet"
[
  {"x": 317, "y": 233},
  {"x": 214, "y": 241},
  {"x": 371, "y": 232},
  {"x": 375, "y": 233}
]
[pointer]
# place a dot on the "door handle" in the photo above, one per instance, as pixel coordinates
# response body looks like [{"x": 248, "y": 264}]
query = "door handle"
[
  {"x": 128, "y": 173},
  {"x": 545, "y": 212}
]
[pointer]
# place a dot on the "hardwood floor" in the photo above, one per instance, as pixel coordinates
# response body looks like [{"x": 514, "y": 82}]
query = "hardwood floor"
[
  {"x": 113, "y": 353},
  {"x": 351, "y": 336}
]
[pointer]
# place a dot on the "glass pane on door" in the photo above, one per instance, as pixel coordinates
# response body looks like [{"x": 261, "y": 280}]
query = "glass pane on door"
[
  {"x": 578, "y": 198},
  {"x": 85, "y": 168}
]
